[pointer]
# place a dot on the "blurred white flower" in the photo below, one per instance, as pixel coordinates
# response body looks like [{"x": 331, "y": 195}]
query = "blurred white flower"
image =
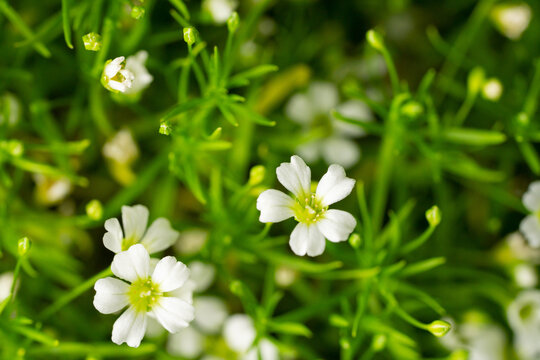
[
  {"x": 187, "y": 343},
  {"x": 285, "y": 276},
  {"x": 160, "y": 294},
  {"x": 141, "y": 77},
  {"x": 524, "y": 319},
  {"x": 6, "y": 280},
  {"x": 530, "y": 226},
  {"x": 191, "y": 241},
  {"x": 49, "y": 190},
  {"x": 520, "y": 249},
  {"x": 159, "y": 236},
  {"x": 116, "y": 77},
  {"x": 492, "y": 89},
  {"x": 313, "y": 109},
  {"x": 511, "y": 19},
  {"x": 316, "y": 221},
  {"x": 525, "y": 275},
  {"x": 239, "y": 333},
  {"x": 219, "y": 10},
  {"x": 210, "y": 313},
  {"x": 121, "y": 148},
  {"x": 202, "y": 274}
]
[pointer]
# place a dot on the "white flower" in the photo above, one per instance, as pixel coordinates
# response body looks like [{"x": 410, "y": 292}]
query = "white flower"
[
  {"x": 159, "y": 236},
  {"x": 519, "y": 248},
  {"x": 191, "y": 241},
  {"x": 313, "y": 106},
  {"x": 51, "y": 191},
  {"x": 511, "y": 19},
  {"x": 116, "y": 77},
  {"x": 492, "y": 89},
  {"x": 210, "y": 313},
  {"x": 316, "y": 221},
  {"x": 121, "y": 148},
  {"x": 160, "y": 295},
  {"x": 524, "y": 319},
  {"x": 141, "y": 76},
  {"x": 202, "y": 274},
  {"x": 239, "y": 333},
  {"x": 525, "y": 275},
  {"x": 530, "y": 226},
  {"x": 6, "y": 280},
  {"x": 220, "y": 10}
]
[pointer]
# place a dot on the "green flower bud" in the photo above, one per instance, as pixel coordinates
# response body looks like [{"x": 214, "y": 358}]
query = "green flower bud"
[
  {"x": 92, "y": 41},
  {"x": 232, "y": 22},
  {"x": 439, "y": 328},
  {"x": 190, "y": 35},
  {"x": 256, "y": 175},
  {"x": 137, "y": 12},
  {"x": 475, "y": 80},
  {"x": 165, "y": 128},
  {"x": 23, "y": 246},
  {"x": 412, "y": 109},
  {"x": 355, "y": 240},
  {"x": 379, "y": 342},
  {"x": 94, "y": 210},
  {"x": 433, "y": 216},
  {"x": 375, "y": 39},
  {"x": 339, "y": 321}
]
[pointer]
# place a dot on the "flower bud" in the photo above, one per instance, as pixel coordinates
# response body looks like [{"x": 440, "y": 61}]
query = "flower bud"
[
  {"x": 137, "y": 12},
  {"x": 256, "y": 175},
  {"x": 379, "y": 342},
  {"x": 475, "y": 80},
  {"x": 165, "y": 128},
  {"x": 412, "y": 109},
  {"x": 439, "y": 328},
  {"x": 492, "y": 89},
  {"x": 190, "y": 35},
  {"x": 433, "y": 216},
  {"x": 232, "y": 22},
  {"x": 375, "y": 39},
  {"x": 92, "y": 41},
  {"x": 23, "y": 246},
  {"x": 355, "y": 240},
  {"x": 94, "y": 209}
]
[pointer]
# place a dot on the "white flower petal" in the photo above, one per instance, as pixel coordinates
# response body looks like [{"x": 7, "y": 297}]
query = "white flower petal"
[
  {"x": 114, "y": 67},
  {"x": 173, "y": 313},
  {"x": 117, "y": 85},
  {"x": 530, "y": 227},
  {"x": 130, "y": 328},
  {"x": 334, "y": 185},
  {"x": 113, "y": 237},
  {"x": 340, "y": 151},
  {"x": 300, "y": 109},
  {"x": 275, "y": 206},
  {"x": 187, "y": 343},
  {"x": 324, "y": 96},
  {"x": 6, "y": 280},
  {"x": 310, "y": 151},
  {"x": 111, "y": 295},
  {"x": 531, "y": 198},
  {"x": 170, "y": 274},
  {"x": 160, "y": 236},
  {"x": 336, "y": 225},
  {"x": 239, "y": 332},
  {"x": 210, "y": 313},
  {"x": 135, "y": 219},
  {"x": 132, "y": 264},
  {"x": 266, "y": 348},
  {"x": 185, "y": 292},
  {"x": 295, "y": 176},
  {"x": 307, "y": 239},
  {"x": 352, "y": 109},
  {"x": 202, "y": 274}
]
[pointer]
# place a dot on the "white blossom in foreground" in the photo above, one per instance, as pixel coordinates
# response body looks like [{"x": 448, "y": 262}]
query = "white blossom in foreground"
[
  {"x": 312, "y": 110},
  {"x": 6, "y": 280},
  {"x": 161, "y": 295},
  {"x": 159, "y": 236},
  {"x": 315, "y": 221},
  {"x": 530, "y": 226},
  {"x": 511, "y": 19},
  {"x": 524, "y": 319},
  {"x": 239, "y": 333},
  {"x": 116, "y": 77},
  {"x": 141, "y": 77}
]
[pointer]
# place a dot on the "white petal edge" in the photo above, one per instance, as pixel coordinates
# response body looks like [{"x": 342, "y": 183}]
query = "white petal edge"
[
  {"x": 173, "y": 313},
  {"x": 160, "y": 236},
  {"x": 111, "y": 295},
  {"x": 134, "y": 219},
  {"x": 170, "y": 274},
  {"x": 336, "y": 225},
  {"x": 531, "y": 198},
  {"x": 295, "y": 176},
  {"x": 239, "y": 332},
  {"x": 530, "y": 227},
  {"x": 132, "y": 264},
  {"x": 275, "y": 206},
  {"x": 334, "y": 185},
  {"x": 307, "y": 239},
  {"x": 129, "y": 328},
  {"x": 112, "y": 239}
]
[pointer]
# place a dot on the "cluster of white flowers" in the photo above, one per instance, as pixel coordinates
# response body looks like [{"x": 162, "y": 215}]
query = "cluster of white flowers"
[
  {"x": 315, "y": 221},
  {"x": 147, "y": 287},
  {"x": 312, "y": 110}
]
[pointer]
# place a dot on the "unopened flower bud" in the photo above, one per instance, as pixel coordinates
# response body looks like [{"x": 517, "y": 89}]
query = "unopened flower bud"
[
  {"x": 165, "y": 128},
  {"x": 412, "y": 109},
  {"x": 439, "y": 328},
  {"x": 379, "y": 342},
  {"x": 492, "y": 89},
  {"x": 94, "y": 210},
  {"x": 375, "y": 39},
  {"x": 256, "y": 175},
  {"x": 92, "y": 41},
  {"x": 232, "y": 22},
  {"x": 355, "y": 240},
  {"x": 433, "y": 216},
  {"x": 190, "y": 35},
  {"x": 137, "y": 12},
  {"x": 23, "y": 246}
]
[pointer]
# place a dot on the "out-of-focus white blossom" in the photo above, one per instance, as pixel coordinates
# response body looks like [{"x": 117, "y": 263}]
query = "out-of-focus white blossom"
[
  {"x": 530, "y": 226},
  {"x": 6, "y": 281},
  {"x": 51, "y": 191},
  {"x": 141, "y": 77},
  {"x": 525, "y": 275},
  {"x": 239, "y": 333},
  {"x": 191, "y": 241},
  {"x": 492, "y": 89},
  {"x": 219, "y": 10},
  {"x": 511, "y": 19},
  {"x": 524, "y": 319}
]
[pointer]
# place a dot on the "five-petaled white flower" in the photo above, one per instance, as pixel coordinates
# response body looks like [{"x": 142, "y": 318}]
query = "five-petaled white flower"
[
  {"x": 159, "y": 236},
  {"x": 160, "y": 295},
  {"x": 116, "y": 77},
  {"x": 316, "y": 221},
  {"x": 530, "y": 226}
]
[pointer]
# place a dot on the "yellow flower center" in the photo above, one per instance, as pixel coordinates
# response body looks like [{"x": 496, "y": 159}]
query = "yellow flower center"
[
  {"x": 308, "y": 209},
  {"x": 128, "y": 242},
  {"x": 144, "y": 294}
]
